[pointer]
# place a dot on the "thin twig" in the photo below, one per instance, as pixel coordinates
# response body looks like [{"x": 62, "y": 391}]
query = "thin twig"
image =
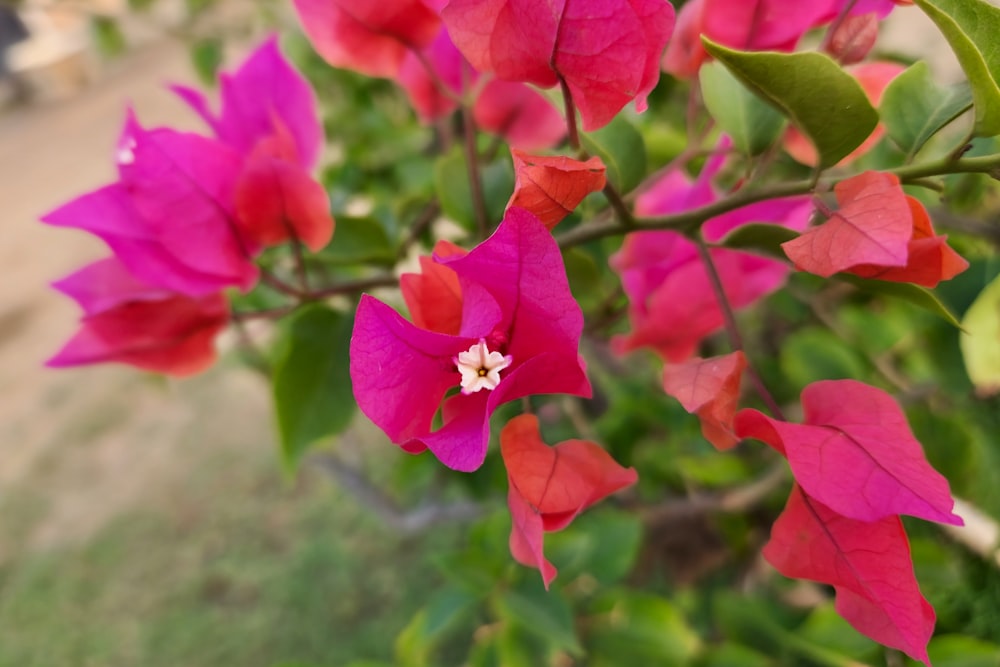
[
  {"x": 357, "y": 285},
  {"x": 732, "y": 328},
  {"x": 412, "y": 522},
  {"x": 475, "y": 178},
  {"x": 572, "y": 133}
]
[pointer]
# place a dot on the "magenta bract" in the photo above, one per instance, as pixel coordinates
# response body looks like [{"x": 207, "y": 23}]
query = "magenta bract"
[{"x": 515, "y": 298}]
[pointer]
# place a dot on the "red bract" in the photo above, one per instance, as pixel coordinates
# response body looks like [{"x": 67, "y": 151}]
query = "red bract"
[
  {"x": 868, "y": 564},
  {"x": 929, "y": 258},
  {"x": 874, "y": 225},
  {"x": 855, "y": 453},
  {"x": 434, "y": 296},
  {"x": 131, "y": 322},
  {"x": 448, "y": 68},
  {"x": 709, "y": 388},
  {"x": 605, "y": 51},
  {"x": 550, "y": 486},
  {"x": 551, "y": 187},
  {"x": 368, "y": 36},
  {"x": 519, "y": 335}
]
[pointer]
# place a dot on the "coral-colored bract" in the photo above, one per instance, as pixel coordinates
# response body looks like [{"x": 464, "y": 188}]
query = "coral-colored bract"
[
  {"x": 516, "y": 298},
  {"x": 709, "y": 388},
  {"x": 549, "y": 486},
  {"x": 551, "y": 187}
]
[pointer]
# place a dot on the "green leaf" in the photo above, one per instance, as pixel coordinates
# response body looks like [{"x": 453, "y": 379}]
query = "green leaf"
[
  {"x": 359, "y": 241},
  {"x": 603, "y": 544},
  {"x": 914, "y": 108},
  {"x": 915, "y": 294},
  {"x": 971, "y": 28},
  {"x": 207, "y": 57},
  {"x": 959, "y": 651},
  {"x": 826, "y": 628},
  {"x": 623, "y": 151},
  {"x": 312, "y": 382},
  {"x": 813, "y": 353},
  {"x": 632, "y": 628},
  {"x": 753, "y": 124},
  {"x": 764, "y": 238},
  {"x": 543, "y": 614},
  {"x": 734, "y": 655},
  {"x": 823, "y": 100},
  {"x": 417, "y": 642},
  {"x": 980, "y": 343},
  {"x": 451, "y": 182}
]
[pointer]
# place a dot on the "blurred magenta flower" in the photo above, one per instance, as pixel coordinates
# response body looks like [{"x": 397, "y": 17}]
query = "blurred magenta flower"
[
  {"x": 672, "y": 303},
  {"x": 519, "y": 335}
]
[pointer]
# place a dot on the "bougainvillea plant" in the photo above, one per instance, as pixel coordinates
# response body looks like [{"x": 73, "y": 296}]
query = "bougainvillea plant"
[{"x": 624, "y": 200}]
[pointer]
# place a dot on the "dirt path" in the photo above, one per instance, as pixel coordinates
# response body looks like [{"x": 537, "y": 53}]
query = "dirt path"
[{"x": 81, "y": 445}]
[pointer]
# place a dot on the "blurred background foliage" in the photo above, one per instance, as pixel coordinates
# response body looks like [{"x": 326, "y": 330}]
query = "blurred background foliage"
[{"x": 308, "y": 574}]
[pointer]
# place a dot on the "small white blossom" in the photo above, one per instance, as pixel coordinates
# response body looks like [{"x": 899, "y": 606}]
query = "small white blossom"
[{"x": 480, "y": 368}]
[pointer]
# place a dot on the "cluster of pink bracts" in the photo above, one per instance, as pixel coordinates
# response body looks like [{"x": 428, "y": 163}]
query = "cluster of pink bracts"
[{"x": 189, "y": 214}]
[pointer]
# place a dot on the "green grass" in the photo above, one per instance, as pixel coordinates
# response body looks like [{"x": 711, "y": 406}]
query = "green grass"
[{"x": 243, "y": 570}]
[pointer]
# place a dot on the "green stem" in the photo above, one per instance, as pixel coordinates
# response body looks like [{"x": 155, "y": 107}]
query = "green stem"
[{"x": 691, "y": 220}]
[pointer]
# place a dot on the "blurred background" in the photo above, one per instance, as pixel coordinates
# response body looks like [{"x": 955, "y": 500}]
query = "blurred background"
[{"x": 146, "y": 521}]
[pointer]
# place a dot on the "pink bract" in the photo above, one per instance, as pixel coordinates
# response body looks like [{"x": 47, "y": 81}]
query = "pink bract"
[
  {"x": 672, "y": 305},
  {"x": 265, "y": 93},
  {"x": 515, "y": 297},
  {"x": 368, "y": 36},
  {"x": 605, "y": 51}
]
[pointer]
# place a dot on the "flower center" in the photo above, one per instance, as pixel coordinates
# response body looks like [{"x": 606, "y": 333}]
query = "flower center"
[{"x": 480, "y": 368}]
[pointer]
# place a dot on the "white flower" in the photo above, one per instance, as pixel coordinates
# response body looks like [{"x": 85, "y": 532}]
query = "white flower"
[{"x": 480, "y": 368}]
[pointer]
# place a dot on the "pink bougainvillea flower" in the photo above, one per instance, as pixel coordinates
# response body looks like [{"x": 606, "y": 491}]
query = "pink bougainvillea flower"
[
  {"x": 170, "y": 218},
  {"x": 131, "y": 322},
  {"x": 549, "y": 486},
  {"x": 855, "y": 453},
  {"x": 878, "y": 232},
  {"x": 550, "y": 187},
  {"x": 516, "y": 303},
  {"x": 519, "y": 114},
  {"x": 263, "y": 98},
  {"x": 672, "y": 305},
  {"x": 368, "y": 36},
  {"x": 709, "y": 388},
  {"x": 434, "y": 296},
  {"x": 748, "y": 25},
  {"x": 606, "y": 52},
  {"x": 867, "y": 562},
  {"x": 874, "y": 77}
]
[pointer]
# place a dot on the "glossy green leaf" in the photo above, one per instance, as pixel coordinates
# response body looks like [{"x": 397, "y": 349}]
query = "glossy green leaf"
[
  {"x": 914, "y": 294},
  {"x": 543, "y": 614},
  {"x": 359, "y": 241},
  {"x": 763, "y": 238},
  {"x": 914, "y": 108},
  {"x": 312, "y": 382},
  {"x": 753, "y": 124},
  {"x": 632, "y": 628},
  {"x": 451, "y": 182},
  {"x": 622, "y": 149},
  {"x": 823, "y": 100},
  {"x": 971, "y": 28},
  {"x": 980, "y": 342}
]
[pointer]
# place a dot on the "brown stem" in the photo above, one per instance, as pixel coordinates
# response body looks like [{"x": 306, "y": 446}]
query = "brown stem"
[
  {"x": 354, "y": 286},
  {"x": 732, "y": 328},
  {"x": 625, "y": 217},
  {"x": 572, "y": 134},
  {"x": 424, "y": 220}
]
